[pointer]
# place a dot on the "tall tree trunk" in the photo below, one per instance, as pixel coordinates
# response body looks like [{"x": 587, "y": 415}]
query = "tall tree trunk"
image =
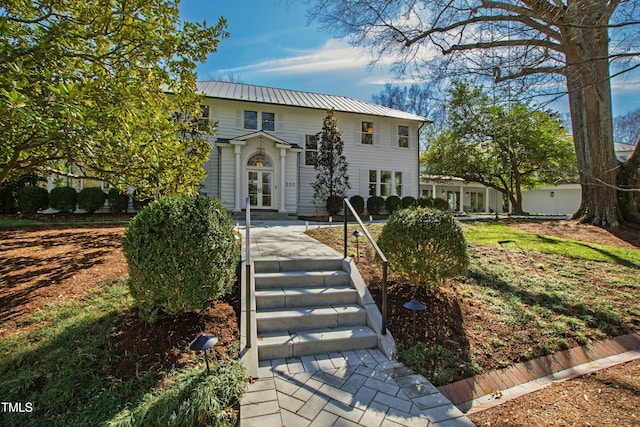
[
  {"x": 629, "y": 179},
  {"x": 590, "y": 106}
]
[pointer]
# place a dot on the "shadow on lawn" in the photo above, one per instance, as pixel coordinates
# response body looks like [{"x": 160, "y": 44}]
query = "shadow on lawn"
[{"x": 607, "y": 321}]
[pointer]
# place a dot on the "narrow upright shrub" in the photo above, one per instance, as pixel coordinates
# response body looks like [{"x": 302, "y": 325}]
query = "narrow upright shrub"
[
  {"x": 375, "y": 204},
  {"x": 425, "y": 246},
  {"x": 31, "y": 199},
  {"x": 393, "y": 203},
  {"x": 91, "y": 199},
  {"x": 358, "y": 204},
  {"x": 63, "y": 198},
  {"x": 118, "y": 202},
  {"x": 181, "y": 254}
]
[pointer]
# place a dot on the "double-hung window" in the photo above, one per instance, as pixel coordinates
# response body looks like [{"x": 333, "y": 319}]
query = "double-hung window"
[
  {"x": 250, "y": 119},
  {"x": 310, "y": 150},
  {"x": 269, "y": 121},
  {"x": 403, "y": 136},
  {"x": 367, "y": 133},
  {"x": 203, "y": 121},
  {"x": 385, "y": 183}
]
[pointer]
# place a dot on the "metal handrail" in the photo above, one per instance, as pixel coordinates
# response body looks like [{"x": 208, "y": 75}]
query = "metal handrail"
[
  {"x": 248, "y": 271},
  {"x": 385, "y": 263}
]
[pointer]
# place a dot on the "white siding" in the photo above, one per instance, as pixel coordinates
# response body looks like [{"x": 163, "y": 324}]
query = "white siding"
[{"x": 292, "y": 124}]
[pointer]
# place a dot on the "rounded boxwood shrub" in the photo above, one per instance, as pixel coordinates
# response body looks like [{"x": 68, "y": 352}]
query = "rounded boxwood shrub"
[
  {"x": 358, "y": 204},
  {"x": 375, "y": 204},
  {"x": 91, "y": 199},
  {"x": 425, "y": 202},
  {"x": 425, "y": 246},
  {"x": 32, "y": 198},
  {"x": 181, "y": 253},
  {"x": 334, "y": 204},
  {"x": 63, "y": 198},
  {"x": 118, "y": 202},
  {"x": 8, "y": 202},
  {"x": 440, "y": 203},
  {"x": 408, "y": 201},
  {"x": 393, "y": 203}
]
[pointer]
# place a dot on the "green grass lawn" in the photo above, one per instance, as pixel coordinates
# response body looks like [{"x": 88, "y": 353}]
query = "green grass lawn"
[
  {"x": 61, "y": 364},
  {"x": 527, "y": 295}
]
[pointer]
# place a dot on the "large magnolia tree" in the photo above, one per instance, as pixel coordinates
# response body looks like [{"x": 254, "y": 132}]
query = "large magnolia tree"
[
  {"x": 536, "y": 42},
  {"x": 83, "y": 87}
]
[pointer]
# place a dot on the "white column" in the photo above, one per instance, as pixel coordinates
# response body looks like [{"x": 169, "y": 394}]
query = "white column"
[
  {"x": 238, "y": 186},
  {"x": 433, "y": 190},
  {"x": 486, "y": 199},
  {"x": 461, "y": 198},
  {"x": 283, "y": 180}
]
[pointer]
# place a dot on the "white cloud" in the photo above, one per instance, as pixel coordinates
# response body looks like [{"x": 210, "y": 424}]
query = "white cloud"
[{"x": 334, "y": 55}]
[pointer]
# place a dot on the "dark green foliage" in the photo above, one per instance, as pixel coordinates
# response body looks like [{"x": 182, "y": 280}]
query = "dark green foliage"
[
  {"x": 331, "y": 165},
  {"x": 408, "y": 201},
  {"x": 334, "y": 204},
  {"x": 440, "y": 203},
  {"x": 118, "y": 202},
  {"x": 425, "y": 202},
  {"x": 8, "y": 202},
  {"x": 63, "y": 198},
  {"x": 91, "y": 199},
  {"x": 375, "y": 204},
  {"x": 358, "y": 204},
  {"x": 32, "y": 198},
  {"x": 181, "y": 253},
  {"x": 439, "y": 364},
  {"x": 425, "y": 246},
  {"x": 393, "y": 203}
]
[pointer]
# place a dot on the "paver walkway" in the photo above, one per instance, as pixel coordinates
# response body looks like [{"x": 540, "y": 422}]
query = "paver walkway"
[{"x": 356, "y": 388}]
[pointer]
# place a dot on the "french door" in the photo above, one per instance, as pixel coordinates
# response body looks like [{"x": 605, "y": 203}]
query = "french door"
[{"x": 260, "y": 188}]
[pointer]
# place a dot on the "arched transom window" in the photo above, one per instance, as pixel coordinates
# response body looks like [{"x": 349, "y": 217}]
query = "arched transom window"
[{"x": 260, "y": 160}]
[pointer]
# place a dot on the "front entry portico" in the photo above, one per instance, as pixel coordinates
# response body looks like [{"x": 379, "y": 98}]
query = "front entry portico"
[{"x": 265, "y": 166}]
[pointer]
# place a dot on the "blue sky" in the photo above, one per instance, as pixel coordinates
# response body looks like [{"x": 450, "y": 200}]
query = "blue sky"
[{"x": 272, "y": 44}]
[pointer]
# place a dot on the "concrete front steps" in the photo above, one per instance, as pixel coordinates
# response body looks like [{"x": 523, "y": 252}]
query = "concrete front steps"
[{"x": 311, "y": 306}]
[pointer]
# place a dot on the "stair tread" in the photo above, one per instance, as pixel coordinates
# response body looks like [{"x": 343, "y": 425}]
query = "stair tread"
[
  {"x": 309, "y": 311},
  {"x": 302, "y": 273},
  {"x": 312, "y": 335},
  {"x": 303, "y": 291}
]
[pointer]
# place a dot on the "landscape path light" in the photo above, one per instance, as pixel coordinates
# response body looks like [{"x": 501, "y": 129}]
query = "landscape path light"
[
  {"x": 415, "y": 306},
  {"x": 203, "y": 343},
  {"x": 356, "y": 233}
]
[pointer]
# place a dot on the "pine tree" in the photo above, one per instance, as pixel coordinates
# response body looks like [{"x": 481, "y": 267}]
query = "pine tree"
[{"x": 332, "y": 181}]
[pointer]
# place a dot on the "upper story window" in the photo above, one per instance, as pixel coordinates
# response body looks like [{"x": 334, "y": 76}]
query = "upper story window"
[
  {"x": 310, "y": 150},
  {"x": 367, "y": 133},
  {"x": 403, "y": 136},
  {"x": 203, "y": 121},
  {"x": 250, "y": 119},
  {"x": 268, "y": 121}
]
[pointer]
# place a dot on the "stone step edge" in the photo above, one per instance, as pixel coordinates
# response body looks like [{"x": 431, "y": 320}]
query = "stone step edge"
[{"x": 314, "y": 335}]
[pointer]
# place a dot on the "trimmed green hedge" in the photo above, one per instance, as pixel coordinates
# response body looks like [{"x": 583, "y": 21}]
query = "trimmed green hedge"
[
  {"x": 181, "y": 253},
  {"x": 63, "y": 199},
  {"x": 118, "y": 202},
  {"x": 31, "y": 199},
  {"x": 393, "y": 203},
  {"x": 358, "y": 204},
  {"x": 425, "y": 246},
  {"x": 91, "y": 199},
  {"x": 375, "y": 204}
]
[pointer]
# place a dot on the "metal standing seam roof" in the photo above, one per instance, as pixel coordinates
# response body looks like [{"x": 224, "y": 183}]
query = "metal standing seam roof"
[{"x": 296, "y": 98}]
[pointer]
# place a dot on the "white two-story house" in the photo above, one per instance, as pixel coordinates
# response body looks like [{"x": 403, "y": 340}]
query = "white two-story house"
[{"x": 265, "y": 146}]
